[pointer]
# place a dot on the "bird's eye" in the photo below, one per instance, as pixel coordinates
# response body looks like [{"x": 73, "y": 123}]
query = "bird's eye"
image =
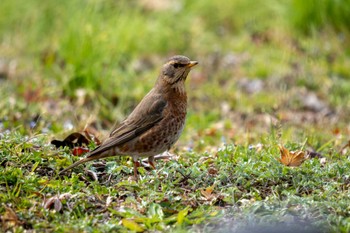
[{"x": 177, "y": 65}]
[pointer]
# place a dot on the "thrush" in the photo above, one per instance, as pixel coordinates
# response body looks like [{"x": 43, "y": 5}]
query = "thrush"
[{"x": 155, "y": 124}]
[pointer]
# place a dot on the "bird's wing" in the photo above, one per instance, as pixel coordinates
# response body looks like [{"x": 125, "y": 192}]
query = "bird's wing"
[{"x": 140, "y": 120}]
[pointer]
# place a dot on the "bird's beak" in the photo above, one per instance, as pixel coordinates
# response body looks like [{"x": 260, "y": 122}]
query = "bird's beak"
[{"x": 192, "y": 63}]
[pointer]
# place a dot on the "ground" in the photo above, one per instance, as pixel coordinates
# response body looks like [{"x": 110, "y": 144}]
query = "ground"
[{"x": 269, "y": 74}]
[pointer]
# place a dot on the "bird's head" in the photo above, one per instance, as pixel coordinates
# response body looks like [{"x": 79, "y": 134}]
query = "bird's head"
[{"x": 175, "y": 70}]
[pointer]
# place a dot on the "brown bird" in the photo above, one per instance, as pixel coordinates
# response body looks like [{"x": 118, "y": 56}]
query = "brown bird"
[{"x": 157, "y": 121}]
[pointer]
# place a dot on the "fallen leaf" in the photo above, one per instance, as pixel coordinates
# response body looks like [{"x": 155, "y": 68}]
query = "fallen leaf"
[
  {"x": 72, "y": 140},
  {"x": 212, "y": 171},
  {"x": 208, "y": 193},
  {"x": 53, "y": 202},
  {"x": 78, "y": 151},
  {"x": 132, "y": 225},
  {"x": 10, "y": 219},
  {"x": 291, "y": 158},
  {"x": 58, "y": 205}
]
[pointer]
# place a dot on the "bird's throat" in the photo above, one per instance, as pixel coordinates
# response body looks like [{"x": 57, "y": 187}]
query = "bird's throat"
[{"x": 179, "y": 87}]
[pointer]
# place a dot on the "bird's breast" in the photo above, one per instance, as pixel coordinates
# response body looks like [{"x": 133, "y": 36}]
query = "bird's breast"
[{"x": 165, "y": 133}]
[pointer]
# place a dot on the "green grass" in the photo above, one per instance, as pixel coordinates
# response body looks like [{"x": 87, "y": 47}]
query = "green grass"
[
  {"x": 68, "y": 65},
  {"x": 248, "y": 183},
  {"x": 312, "y": 15}
]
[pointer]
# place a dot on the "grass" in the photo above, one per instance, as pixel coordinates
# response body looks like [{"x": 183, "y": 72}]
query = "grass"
[
  {"x": 234, "y": 185},
  {"x": 265, "y": 77}
]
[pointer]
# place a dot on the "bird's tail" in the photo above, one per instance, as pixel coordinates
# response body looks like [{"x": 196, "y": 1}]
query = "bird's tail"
[{"x": 84, "y": 160}]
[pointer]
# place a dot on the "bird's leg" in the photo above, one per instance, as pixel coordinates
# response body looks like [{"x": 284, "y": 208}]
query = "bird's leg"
[
  {"x": 151, "y": 162},
  {"x": 136, "y": 164},
  {"x": 135, "y": 172},
  {"x": 152, "y": 159}
]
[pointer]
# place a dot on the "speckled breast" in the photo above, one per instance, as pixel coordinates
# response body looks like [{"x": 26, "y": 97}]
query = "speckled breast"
[{"x": 165, "y": 133}]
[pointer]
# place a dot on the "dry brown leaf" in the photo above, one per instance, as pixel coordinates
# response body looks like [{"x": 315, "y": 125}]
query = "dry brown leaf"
[
  {"x": 71, "y": 141},
  {"x": 55, "y": 202},
  {"x": 291, "y": 158},
  {"x": 212, "y": 171},
  {"x": 9, "y": 219},
  {"x": 208, "y": 193},
  {"x": 58, "y": 205}
]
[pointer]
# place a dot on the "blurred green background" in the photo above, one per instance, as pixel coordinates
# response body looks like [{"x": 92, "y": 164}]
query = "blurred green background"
[{"x": 65, "y": 64}]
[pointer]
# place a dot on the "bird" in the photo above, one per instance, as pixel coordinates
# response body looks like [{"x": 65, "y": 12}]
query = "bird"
[{"x": 155, "y": 124}]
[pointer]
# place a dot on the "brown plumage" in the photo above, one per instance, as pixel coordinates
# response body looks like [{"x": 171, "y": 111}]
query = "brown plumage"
[{"x": 157, "y": 121}]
